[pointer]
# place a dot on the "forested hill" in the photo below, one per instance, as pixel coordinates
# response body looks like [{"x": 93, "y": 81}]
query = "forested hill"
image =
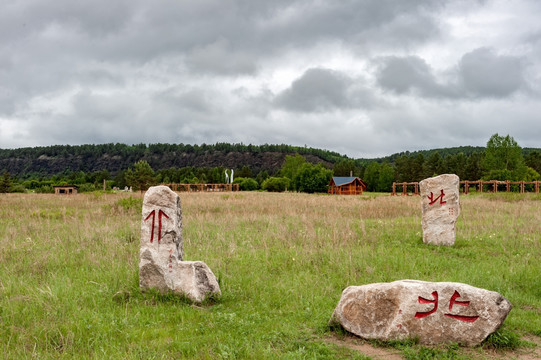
[
  {"x": 466, "y": 150},
  {"x": 62, "y": 159},
  {"x": 51, "y": 160}
]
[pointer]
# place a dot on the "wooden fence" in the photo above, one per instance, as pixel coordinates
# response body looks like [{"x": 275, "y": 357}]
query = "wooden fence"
[
  {"x": 203, "y": 187},
  {"x": 493, "y": 186}
]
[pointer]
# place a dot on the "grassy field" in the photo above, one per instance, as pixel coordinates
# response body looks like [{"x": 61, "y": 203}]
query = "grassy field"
[{"x": 69, "y": 273}]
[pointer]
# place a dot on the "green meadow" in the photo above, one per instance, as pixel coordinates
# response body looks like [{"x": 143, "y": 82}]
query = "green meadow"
[{"x": 69, "y": 274}]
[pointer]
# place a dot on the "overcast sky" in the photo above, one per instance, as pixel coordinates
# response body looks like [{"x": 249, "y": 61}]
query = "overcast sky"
[{"x": 364, "y": 78}]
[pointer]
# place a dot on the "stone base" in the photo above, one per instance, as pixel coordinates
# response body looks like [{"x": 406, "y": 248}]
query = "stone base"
[{"x": 193, "y": 280}]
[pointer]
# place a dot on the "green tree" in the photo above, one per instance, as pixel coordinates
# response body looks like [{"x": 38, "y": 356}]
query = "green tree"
[
  {"x": 120, "y": 179},
  {"x": 312, "y": 178},
  {"x": 5, "y": 183},
  {"x": 404, "y": 166},
  {"x": 244, "y": 172},
  {"x": 533, "y": 160},
  {"x": 275, "y": 184},
  {"x": 456, "y": 164},
  {"x": 434, "y": 165},
  {"x": 386, "y": 178},
  {"x": 473, "y": 170},
  {"x": 418, "y": 166},
  {"x": 141, "y": 177},
  {"x": 503, "y": 159},
  {"x": 344, "y": 168},
  {"x": 262, "y": 176},
  {"x": 371, "y": 176},
  {"x": 291, "y": 166}
]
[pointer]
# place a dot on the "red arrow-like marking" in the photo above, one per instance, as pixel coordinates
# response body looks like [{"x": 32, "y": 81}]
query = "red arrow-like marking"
[
  {"x": 153, "y": 214},
  {"x": 160, "y": 214}
]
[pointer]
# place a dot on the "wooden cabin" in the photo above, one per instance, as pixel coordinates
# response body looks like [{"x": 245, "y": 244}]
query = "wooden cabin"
[
  {"x": 350, "y": 185},
  {"x": 65, "y": 189}
]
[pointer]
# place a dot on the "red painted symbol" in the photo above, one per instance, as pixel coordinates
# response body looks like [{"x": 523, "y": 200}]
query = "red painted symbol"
[
  {"x": 454, "y": 302},
  {"x": 440, "y": 197},
  {"x": 153, "y": 214},
  {"x": 422, "y": 300}
]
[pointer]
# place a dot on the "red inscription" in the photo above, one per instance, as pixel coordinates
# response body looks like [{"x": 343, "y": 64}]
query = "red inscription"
[
  {"x": 422, "y": 300},
  {"x": 452, "y": 302},
  {"x": 153, "y": 214},
  {"x": 440, "y": 198}
]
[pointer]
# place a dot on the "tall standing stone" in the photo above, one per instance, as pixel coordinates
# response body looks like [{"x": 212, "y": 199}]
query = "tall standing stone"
[
  {"x": 440, "y": 209},
  {"x": 160, "y": 263}
]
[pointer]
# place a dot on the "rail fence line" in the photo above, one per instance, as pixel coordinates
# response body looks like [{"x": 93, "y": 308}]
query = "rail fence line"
[
  {"x": 203, "y": 187},
  {"x": 478, "y": 184}
]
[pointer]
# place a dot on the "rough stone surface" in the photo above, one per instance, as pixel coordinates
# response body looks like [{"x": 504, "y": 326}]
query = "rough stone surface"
[
  {"x": 440, "y": 209},
  {"x": 160, "y": 263},
  {"x": 434, "y": 313}
]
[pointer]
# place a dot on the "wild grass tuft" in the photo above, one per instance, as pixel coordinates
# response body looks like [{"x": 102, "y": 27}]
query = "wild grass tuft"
[{"x": 503, "y": 339}]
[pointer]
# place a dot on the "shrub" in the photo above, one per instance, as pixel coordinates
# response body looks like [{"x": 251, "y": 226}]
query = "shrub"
[
  {"x": 275, "y": 184},
  {"x": 246, "y": 184},
  {"x": 312, "y": 178},
  {"x": 18, "y": 188}
]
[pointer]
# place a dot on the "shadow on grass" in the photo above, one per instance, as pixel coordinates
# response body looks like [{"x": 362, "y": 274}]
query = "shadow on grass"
[{"x": 153, "y": 297}]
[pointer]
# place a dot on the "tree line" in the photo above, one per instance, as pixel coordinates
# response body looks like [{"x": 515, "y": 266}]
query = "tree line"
[{"x": 501, "y": 159}]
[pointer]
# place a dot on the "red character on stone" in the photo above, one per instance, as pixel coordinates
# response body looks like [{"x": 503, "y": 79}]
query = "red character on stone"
[
  {"x": 422, "y": 300},
  {"x": 452, "y": 302},
  {"x": 153, "y": 215},
  {"x": 440, "y": 197}
]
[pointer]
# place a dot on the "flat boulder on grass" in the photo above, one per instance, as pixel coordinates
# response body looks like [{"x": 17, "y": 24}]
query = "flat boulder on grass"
[
  {"x": 433, "y": 312},
  {"x": 440, "y": 209},
  {"x": 160, "y": 261}
]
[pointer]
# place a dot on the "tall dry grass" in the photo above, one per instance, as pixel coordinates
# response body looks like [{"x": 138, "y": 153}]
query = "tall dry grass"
[{"x": 282, "y": 261}]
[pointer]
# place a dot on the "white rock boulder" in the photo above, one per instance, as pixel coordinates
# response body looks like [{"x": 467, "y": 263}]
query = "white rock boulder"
[{"x": 433, "y": 312}]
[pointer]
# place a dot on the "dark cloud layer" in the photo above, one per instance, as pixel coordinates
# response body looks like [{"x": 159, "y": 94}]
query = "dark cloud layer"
[
  {"x": 363, "y": 77},
  {"x": 480, "y": 74}
]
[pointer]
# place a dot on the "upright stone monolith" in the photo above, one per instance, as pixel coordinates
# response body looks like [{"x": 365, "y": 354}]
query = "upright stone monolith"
[
  {"x": 160, "y": 264},
  {"x": 440, "y": 209}
]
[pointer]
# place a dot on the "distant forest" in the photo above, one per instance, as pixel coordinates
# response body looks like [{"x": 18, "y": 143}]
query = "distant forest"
[{"x": 38, "y": 168}]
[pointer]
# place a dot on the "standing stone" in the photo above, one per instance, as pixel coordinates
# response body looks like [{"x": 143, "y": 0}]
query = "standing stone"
[
  {"x": 440, "y": 209},
  {"x": 160, "y": 263},
  {"x": 435, "y": 313}
]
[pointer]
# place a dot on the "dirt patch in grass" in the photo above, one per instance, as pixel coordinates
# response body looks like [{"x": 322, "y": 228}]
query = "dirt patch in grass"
[
  {"x": 366, "y": 348},
  {"x": 376, "y": 352}
]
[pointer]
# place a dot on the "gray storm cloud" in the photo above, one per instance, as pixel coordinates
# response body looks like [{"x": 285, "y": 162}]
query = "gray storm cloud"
[{"x": 265, "y": 72}]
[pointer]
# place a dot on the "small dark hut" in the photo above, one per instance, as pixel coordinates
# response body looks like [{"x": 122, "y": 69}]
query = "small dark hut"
[
  {"x": 350, "y": 185},
  {"x": 65, "y": 189}
]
